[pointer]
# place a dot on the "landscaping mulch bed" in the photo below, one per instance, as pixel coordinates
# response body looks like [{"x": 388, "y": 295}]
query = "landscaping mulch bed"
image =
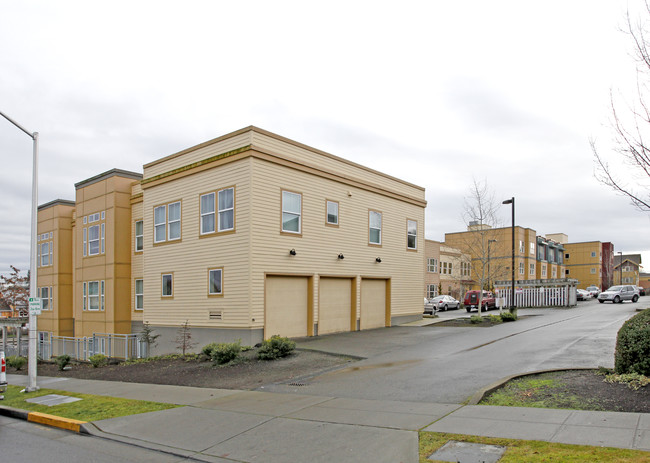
[
  {"x": 246, "y": 373},
  {"x": 583, "y": 389}
]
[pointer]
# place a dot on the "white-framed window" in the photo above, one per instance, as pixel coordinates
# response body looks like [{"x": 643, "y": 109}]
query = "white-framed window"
[
  {"x": 411, "y": 234},
  {"x": 531, "y": 270},
  {"x": 567, "y": 255},
  {"x": 95, "y": 295},
  {"x": 521, "y": 268},
  {"x": 465, "y": 269},
  {"x": 139, "y": 235},
  {"x": 45, "y": 293},
  {"x": 432, "y": 291},
  {"x": 167, "y": 285},
  {"x": 93, "y": 240},
  {"x": 432, "y": 265},
  {"x": 167, "y": 222},
  {"x": 593, "y": 253},
  {"x": 554, "y": 272},
  {"x": 291, "y": 212},
  {"x": 445, "y": 268},
  {"x": 103, "y": 236},
  {"x": 627, "y": 269},
  {"x": 45, "y": 250},
  {"x": 208, "y": 222},
  {"x": 521, "y": 247},
  {"x": 139, "y": 294},
  {"x": 85, "y": 292},
  {"x": 374, "y": 227},
  {"x": 226, "y": 200},
  {"x": 532, "y": 248},
  {"x": 592, "y": 270},
  {"x": 332, "y": 213},
  {"x": 215, "y": 282},
  {"x": 544, "y": 270},
  {"x": 85, "y": 240}
]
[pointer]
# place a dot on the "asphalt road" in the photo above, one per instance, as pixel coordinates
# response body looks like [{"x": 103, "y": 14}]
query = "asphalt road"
[
  {"x": 22, "y": 441},
  {"x": 449, "y": 364}
]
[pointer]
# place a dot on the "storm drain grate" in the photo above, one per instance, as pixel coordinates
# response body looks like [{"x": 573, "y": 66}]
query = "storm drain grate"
[{"x": 297, "y": 384}]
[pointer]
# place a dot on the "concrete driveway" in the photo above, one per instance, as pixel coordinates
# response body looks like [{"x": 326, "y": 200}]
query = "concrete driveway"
[{"x": 448, "y": 364}]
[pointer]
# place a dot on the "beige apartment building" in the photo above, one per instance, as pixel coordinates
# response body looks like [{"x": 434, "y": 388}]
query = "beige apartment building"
[
  {"x": 448, "y": 270},
  {"x": 627, "y": 268},
  {"x": 591, "y": 263},
  {"x": 243, "y": 237}
]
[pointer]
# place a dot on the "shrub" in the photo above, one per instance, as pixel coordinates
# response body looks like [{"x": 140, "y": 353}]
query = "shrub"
[
  {"x": 508, "y": 316},
  {"x": 98, "y": 360},
  {"x": 225, "y": 352},
  {"x": 476, "y": 319},
  {"x": 208, "y": 348},
  {"x": 275, "y": 347},
  {"x": 495, "y": 318},
  {"x": 16, "y": 361},
  {"x": 62, "y": 361},
  {"x": 633, "y": 346}
]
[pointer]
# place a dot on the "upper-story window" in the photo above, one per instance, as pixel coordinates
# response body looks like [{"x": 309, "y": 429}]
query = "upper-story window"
[
  {"x": 532, "y": 248},
  {"x": 291, "y": 212},
  {"x": 465, "y": 269},
  {"x": 521, "y": 247},
  {"x": 374, "y": 227},
  {"x": 44, "y": 248},
  {"x": 521, "y": 268},
  {"x": 167, "y": 222},
  {"x": 445, "y": 268},
  {"x": 139, "y": 294},
  {"x": 593, "y": 253},
  {"x": 94, "y": 236},
  {"x": 218, "y": 211},
  {"x": 432, "y": 265},
  {"x": 93, "y": 295},
  {"x": 139, "y": 236},
  {"x": 332, "y": 213},
  {"x": 411, "y": 234},
  {"x": 532, "y": 270}
]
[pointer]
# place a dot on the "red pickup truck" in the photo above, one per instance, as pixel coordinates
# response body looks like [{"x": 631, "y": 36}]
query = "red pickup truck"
[{"x": 471, "y": 300}]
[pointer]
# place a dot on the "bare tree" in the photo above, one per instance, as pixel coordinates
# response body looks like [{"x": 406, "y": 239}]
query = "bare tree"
[
  {"x": 14, "y": 289},
  {"x": 629, "y": 173},
  {"x": 184, "y": 341}
]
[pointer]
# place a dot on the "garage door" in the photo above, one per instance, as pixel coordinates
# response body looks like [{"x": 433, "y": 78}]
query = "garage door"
[
  {"x": 373, "y": 304},
  {"x": 335, "y": 305},
  {"x": 286, "y": 306}
]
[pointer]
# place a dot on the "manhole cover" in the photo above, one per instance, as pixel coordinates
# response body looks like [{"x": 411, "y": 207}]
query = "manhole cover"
[
  {"x": 52, "y": 399},
  {"x": 466, "y": 452}
]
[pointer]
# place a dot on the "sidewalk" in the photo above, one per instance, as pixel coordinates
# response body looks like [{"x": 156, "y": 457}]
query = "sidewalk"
[{"x": 220, "y": 425}]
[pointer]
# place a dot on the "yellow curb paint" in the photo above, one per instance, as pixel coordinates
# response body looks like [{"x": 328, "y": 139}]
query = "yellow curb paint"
[{"x": 56, "y": 421}]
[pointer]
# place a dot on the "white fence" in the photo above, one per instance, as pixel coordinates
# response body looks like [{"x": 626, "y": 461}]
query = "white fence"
[
  {"x": 121, "y": 346},
  {"x": 538, "y": 293}
]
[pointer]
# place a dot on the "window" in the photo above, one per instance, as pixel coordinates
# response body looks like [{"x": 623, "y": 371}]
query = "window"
[
  {"x": 227, "y": 209},
  {"x": 532, "y": 248},
  {"x": 207, "y": 213},
  {"x": 432, "y": 291},
  {"x": 566, "y": 272},
  {"x": 445, "y": 268},
  {"x": 465, "y": 269},
  {"x": 291, "y": 212},
  {"x": 411, "y": 234},
  {"x": 139, "y": 236},
  {"x": 521, "y": 268},
  {"x": 521, "y": 247},
  {"x": 374, "y": 227},
  {"x": 566, "y": 256},
  {"x": 85, "y": 240},
  {"x": 554, "y": 272},
  {"x": 45, "y": 293},
  {"x": 93, "y": 240},
  {"x": 167, "y": 222},
  {"x": 46, "y": 254},
  {"x": 593, "y": 253},
  {"x": 139, "y": 294},
  {"x": 332, "y": 213},
  {"x": 215, "y": 282},
  {"x": 531, "y": 270},
  {"x": 93, "y": 295},
  {"x": 627, "y": 269},
  {"x": 167, "y": 285},
  {"x": 593, "y": 271},
  {"x": 432, "y": 265},
  {"x": 103, "y": 235},
  {"x": 544, "y": 270}
]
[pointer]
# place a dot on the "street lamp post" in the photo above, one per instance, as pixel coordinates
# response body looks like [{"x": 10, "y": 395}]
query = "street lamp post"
[
  {"x": 32, "y": 346},
  {"x": 488, "y": 262},
  {"x": 512, "y": 293},
  {"x": 620, "y": 267}
]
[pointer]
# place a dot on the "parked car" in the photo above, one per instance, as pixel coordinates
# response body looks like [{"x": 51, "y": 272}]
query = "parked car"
[
  {"x": 619, "y": 293},
  {"x": 445, "y": 302},
  {"x": 471, "y": 300},
  {"x": 429, "y": 307},
  {"x": 583, "y": 294},
  {"x": 641, "y": 290},
  {"x": 593, "y": 290}
]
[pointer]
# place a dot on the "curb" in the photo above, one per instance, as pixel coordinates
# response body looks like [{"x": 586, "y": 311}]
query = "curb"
[
  {"x": 43, "y": 418},
  {"x": 478, "y": 395}
]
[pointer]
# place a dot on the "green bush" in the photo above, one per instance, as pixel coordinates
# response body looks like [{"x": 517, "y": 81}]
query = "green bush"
[
  {"x": 508, "y": 316},
  {"x": 62, "y": 361},
  {"x": 207, "y": 349},
  {"x": 16, "y": 361},
  {"x": 495, "y": 318},
  {"x": 98, "y": 360},
  {"x": 633, "y": 346},
  {"x": 476, "y": 319},
  {"x": 275, "y": 347},
  {"x": 225, "y": 352}
]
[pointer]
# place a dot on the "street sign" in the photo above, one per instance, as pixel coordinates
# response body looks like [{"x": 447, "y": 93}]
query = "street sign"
[{"x": 35, "y": 305}]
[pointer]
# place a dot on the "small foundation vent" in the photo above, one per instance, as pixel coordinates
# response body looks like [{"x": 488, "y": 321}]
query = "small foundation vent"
[{"x": 215, "y": 315}]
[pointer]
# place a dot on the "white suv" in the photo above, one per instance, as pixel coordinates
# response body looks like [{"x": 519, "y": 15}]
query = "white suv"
[{"x": 621, "y": 293}]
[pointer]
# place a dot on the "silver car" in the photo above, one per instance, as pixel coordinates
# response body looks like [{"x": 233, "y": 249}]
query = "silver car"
[
  {"x": 445, "y": 303},
  {"x": 619, "y": 293}
]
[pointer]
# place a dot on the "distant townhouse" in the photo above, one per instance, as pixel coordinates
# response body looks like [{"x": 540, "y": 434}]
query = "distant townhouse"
[
  {"x": 448, "y": 270},
  {"x": 644, "y": 281},
  {"x": 242, "y": 237},
  {"x": 627, "y": 269},
  {"x": 591, "y": 263}
]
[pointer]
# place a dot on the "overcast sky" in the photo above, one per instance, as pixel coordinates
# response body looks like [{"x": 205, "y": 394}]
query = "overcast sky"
[{"x": 436, "y": 93}]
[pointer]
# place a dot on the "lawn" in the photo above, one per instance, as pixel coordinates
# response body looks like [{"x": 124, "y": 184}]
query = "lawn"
[{"x": 90, "y": 408}]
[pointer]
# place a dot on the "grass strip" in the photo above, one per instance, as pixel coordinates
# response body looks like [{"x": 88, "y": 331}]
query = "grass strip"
[
  {"x": 525, "y": 451},
  {"x": 91, "y": 408}
]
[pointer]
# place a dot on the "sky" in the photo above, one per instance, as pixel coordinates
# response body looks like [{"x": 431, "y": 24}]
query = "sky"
[{"x": 440, "y": 94}]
